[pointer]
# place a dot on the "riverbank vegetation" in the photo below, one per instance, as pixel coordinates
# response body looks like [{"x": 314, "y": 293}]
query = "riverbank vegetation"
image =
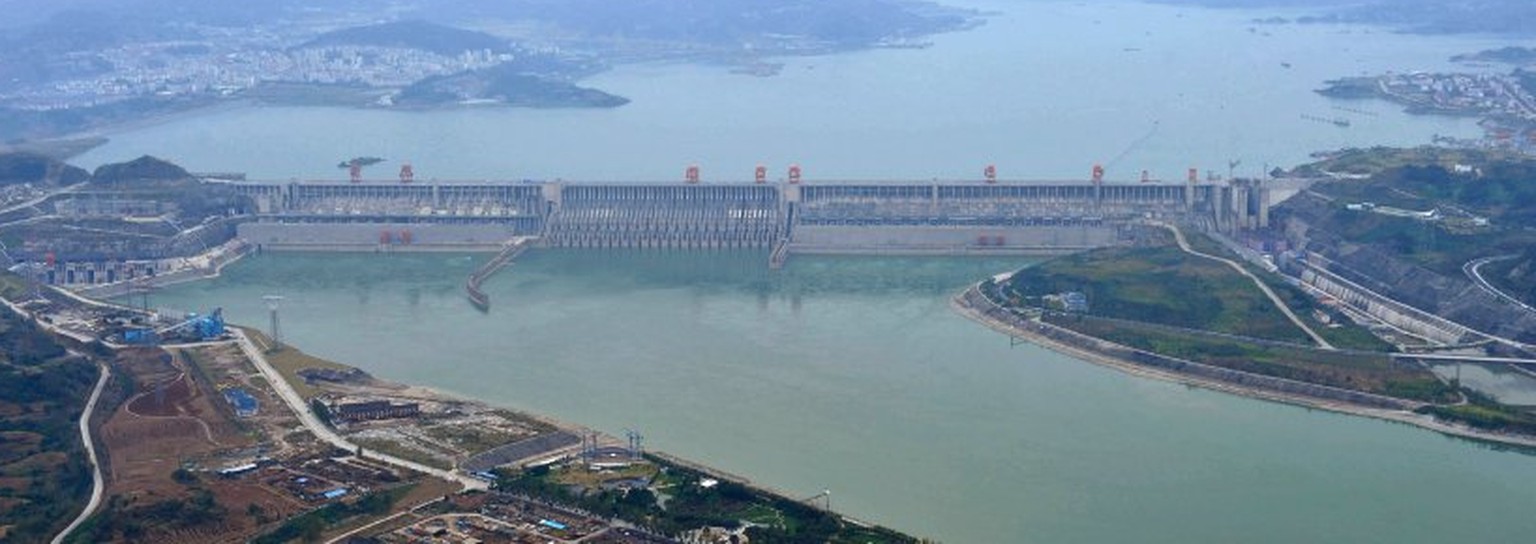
[
  {"x": 310, "y": 526},
  {"x": 693, "y": 500},
  {"x": 1159, "y": 284},
  {"x": 1483, "y": 413},
  {"x": 1158, "y": 299}
]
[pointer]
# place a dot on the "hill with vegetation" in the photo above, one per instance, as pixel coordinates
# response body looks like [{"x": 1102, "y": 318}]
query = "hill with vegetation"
[
  {"x": 1487, "y": 208},
  {"x": 142, "y": 169},
  {"x": 1518, "y": 56},
  {"x": 17, "y": 168},
  {"x": 421, "y": 35},
  {"x": 1508, "y": 17},
  {"x": 1411, "y": 229},
  {"x": 505, "y": 84},
  {"x": 44, "y": 475},
  {"x": 766, "y": 24},
  {"x": 1160, "y": 299}
]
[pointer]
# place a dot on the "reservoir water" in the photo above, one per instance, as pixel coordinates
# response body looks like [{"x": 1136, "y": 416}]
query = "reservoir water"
[
  {"x": 852, "y": 374},
  {"x": 1043, "y": 90}
]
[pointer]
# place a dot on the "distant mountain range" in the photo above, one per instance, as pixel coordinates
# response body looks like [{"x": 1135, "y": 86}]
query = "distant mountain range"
[{"x": 1506, "y": 17}]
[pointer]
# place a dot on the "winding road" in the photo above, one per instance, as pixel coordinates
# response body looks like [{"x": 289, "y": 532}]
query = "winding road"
[
  {"x": 98, "y": 485},
  {"x": 1184, "y": 245},
  {"x": 1473, "y": 270}
]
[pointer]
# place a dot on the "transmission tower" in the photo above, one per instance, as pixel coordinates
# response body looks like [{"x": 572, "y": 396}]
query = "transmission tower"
[
  {"x": 636, "y": 443},
  {"x": 273, "y": 330}
]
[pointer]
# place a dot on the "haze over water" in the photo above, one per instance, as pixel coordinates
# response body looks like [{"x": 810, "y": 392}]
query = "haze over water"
[
  {"x": 1043, "y": 90},
  {"x": 853, "y": 374}
]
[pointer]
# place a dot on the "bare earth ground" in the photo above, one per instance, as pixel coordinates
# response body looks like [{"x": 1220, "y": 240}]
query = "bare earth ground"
[{"x": 174, "y": 421}]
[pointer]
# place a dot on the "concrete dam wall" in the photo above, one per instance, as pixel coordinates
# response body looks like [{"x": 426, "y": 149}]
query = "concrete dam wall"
[
  {"x": 666, "y": 216},
  {"x": 858, "y": 217},
  {"x": 375, "y": 236}
]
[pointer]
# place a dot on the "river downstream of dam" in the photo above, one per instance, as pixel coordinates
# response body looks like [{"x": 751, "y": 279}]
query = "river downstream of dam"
[{"x": 853, "y": 374}]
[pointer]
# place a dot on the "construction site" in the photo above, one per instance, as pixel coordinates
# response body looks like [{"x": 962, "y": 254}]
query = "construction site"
[{"x": 216, "y": 434}]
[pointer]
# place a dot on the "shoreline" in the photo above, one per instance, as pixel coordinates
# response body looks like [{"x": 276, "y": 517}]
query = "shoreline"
[
  {"x": 283, "y": 386},
  {"x": 235, "y": 253},
  {"x": 461, "y": 475},
  {"x": 1406, "y": 417}
]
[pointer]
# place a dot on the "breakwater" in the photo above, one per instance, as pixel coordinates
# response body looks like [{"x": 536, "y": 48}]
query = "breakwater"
[{"x": 472, "y": 289}]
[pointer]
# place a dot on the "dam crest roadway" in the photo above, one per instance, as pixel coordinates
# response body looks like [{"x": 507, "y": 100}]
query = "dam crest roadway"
[{"x": 887, "y": 216}]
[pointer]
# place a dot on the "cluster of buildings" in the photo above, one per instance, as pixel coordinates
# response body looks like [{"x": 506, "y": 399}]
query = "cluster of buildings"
[
  {"x": 1485, "y": 94},
  {"x": 505, "y": 518},
  {"x": 183, "y": 68},
  {"x": 11, "y": 195},
  {"x": 1507, "y": 107},
  {"x": 317, "y": 480}
]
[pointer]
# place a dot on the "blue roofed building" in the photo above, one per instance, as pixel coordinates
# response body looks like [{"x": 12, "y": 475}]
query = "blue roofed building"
[
  {"x": 245, "y": 405},
  {"x": 1075, "y": 302}
]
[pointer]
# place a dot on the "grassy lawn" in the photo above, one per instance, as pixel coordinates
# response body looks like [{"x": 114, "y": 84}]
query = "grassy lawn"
[
  {"x": 470, "y": 439},
  {"x": 1159, "y": 285},
  {"x": 1361, "y": 372},
  {"x": 389, "y": 447},
  {"x": 592, "y": 478},
  {"x": 1340, "y": 331},
  {"x": 12, "y": 286},
  {"x": 763, "y": 515}
]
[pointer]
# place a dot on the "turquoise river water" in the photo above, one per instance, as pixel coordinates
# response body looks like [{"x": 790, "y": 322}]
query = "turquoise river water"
[{"x": 852, "y": 374}]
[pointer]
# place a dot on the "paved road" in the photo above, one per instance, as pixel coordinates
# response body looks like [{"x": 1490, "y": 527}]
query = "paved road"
[
  {"x": 1184, "y": 245},
  {"x": 98, "y": 485},
  {"x": 325, "y": 433},
  {"x": 1464, "y": 358},
  {"x": 1473, "y": 270}
]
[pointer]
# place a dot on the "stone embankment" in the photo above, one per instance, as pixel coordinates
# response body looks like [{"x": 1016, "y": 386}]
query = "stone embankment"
[{"x": 974, "y": 304}]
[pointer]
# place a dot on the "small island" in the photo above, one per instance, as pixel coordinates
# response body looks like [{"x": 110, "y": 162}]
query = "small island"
[
  {"x": 503, "y": 85},
  {"x": 359, "y": 162}
]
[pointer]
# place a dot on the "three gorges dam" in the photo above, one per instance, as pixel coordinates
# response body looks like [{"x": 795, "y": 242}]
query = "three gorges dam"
[
  {"x": 908, "y": 217},
  {"x": 955, "y": 217}
]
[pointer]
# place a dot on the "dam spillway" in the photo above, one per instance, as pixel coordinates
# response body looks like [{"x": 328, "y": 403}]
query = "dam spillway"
[
  {"x": 852, "y": 216},
  {"x": 666, "y": 216}
]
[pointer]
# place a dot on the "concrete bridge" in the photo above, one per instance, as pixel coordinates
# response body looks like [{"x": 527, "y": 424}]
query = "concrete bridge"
[{"x": 925, "y": 217}]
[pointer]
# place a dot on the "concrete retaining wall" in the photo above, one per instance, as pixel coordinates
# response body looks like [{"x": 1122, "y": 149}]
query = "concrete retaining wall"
[
  {"x": 949, "y": 239},
  {"x": 318, "y": 237}
]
